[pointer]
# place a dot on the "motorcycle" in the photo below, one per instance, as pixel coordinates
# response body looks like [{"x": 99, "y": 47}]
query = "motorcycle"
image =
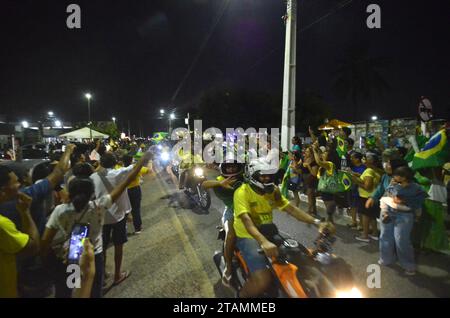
[
  {"x": 162, "y": 157},
  {"x": 193, "y": 186},
  {"x": 298, "y": 272}
]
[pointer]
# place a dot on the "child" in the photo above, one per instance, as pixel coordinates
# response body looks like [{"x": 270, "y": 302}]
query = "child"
[{"x": 403, "y": 194}]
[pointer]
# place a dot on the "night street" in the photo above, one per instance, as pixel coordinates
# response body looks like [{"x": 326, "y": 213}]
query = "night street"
[{"x": 225, "y": 149}]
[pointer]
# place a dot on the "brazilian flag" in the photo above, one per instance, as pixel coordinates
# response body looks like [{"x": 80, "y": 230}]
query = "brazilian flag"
[
  {"x": 370, "y": 142},
  {"x": 285, "y": 183},
  {"x": 345, "y": 180},
  {"x": 421, "y": 141},
  {"x": 433, "y": 235},
  {"x": 284, "y": 165},
  {"x": 341, "y": 147},
  {"x": 435, "y": 153}
]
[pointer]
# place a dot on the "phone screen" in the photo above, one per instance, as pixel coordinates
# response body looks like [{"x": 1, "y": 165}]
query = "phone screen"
[{"x": 79, "y": 234}]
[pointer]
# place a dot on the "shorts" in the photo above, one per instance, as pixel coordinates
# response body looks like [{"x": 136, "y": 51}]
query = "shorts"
[
  {"x": 249, "y": 249},
  {"x": 294, "y": 185},
  {"x": 343, "y": 199},
  {"x": 228, "y": 215},
  {"x": 327, "y": 196},
  {"x": 118, "y": 231},
  {"x": 311, "y": 182},
  {"x": 373, "y": 212}
]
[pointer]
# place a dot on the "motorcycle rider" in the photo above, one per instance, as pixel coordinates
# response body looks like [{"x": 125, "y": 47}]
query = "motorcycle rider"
[
  {"x": 187, "y": 162},
  {"x": 231, "y": 177},
  {"x": 253, "y": 206}
]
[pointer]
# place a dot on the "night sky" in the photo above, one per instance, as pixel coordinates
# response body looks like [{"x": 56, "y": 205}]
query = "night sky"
[{"x": 132, "y": 55}]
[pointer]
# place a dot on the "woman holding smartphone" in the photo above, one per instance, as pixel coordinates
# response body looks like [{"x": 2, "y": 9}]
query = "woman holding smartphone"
[{"x": 81, "y": 209}]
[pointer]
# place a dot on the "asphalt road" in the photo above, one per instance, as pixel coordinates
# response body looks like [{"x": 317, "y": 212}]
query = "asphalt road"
[{"x": 172, "y": 257}]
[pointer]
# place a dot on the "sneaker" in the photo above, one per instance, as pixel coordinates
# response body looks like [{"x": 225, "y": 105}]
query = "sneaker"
[
  {"x": 137, "y": 232},
  {"x": 374, "y": 237},
  {"x": 361, "y": 239},
  {"x": 410, "y": 272}
]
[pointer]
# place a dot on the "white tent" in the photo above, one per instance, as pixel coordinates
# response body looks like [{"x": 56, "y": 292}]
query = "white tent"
[{"x": 84, "y": 133}]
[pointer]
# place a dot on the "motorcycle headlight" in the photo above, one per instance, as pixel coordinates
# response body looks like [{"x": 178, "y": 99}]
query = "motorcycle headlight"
[
  {"x": 198, "y": 172},
  {"x": 165, "y": 156},
  {"x": 353, "y": 293}
]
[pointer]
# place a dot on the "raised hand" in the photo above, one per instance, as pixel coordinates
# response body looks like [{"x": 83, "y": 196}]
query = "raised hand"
[
  {"x": 228, "y": 183},
  {"x": 23, "y": 202}
]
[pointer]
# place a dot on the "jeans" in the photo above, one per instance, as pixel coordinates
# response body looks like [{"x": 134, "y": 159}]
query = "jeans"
[
  {"x": 249, "y": 250},
  {"x": 135, "y": 196},
  {"x": 396, "y": 238}
]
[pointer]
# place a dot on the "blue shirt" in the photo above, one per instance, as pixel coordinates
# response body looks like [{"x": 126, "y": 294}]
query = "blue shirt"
[
  {"x": 39, "y": 192},
  {"x": 359, "y": 169}
]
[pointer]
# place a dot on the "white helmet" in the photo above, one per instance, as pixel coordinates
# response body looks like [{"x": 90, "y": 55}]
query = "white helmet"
[{"x": 260, "y": 167}]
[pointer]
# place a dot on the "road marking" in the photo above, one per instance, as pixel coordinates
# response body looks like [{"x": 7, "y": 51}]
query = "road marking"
[{"x": 206, "y": 288}]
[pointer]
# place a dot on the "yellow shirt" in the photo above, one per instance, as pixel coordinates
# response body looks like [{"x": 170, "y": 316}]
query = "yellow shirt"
[
  {"x": 376, "y": 179},
  {"x": 188, "y": 161},
  {"x": 12, "y": 241},
  {"x": 136, "y": 182},
  {"x": 329, "y": 171},
  {"x": 259, "y": 207}
]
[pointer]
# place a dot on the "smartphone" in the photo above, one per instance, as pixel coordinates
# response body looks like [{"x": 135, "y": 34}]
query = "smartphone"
[{"x": 79, "y": 233}]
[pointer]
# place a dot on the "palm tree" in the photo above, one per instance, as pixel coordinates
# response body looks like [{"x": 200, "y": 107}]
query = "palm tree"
[{"x": 358, "y": 77}]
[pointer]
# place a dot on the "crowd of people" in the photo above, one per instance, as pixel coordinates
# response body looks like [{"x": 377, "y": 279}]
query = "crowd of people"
[
  {"x": 97, "y": 185},
  {"x": 385, "y": 197}
]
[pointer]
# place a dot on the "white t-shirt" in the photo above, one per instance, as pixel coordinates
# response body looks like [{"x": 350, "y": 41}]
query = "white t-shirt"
[
  {"x": 122, "y": 205},
  {"x": 64, "y": 217}
]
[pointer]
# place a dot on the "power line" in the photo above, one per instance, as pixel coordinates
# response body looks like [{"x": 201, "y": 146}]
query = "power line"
[
  {"x": 202, "y": 47},
  {"x": 331, "y": 12}
]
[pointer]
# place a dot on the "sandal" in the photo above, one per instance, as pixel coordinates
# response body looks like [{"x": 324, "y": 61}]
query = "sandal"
[{"x": 123, "y": 276}]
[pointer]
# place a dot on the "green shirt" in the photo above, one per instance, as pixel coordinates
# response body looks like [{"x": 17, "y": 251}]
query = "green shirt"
[{"x": 225, "y": 195}]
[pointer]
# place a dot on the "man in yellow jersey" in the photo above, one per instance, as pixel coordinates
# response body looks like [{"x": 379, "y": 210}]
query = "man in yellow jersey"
[
  {"x": 12, "y": 241},
  {"x": 254, "y": 203}
]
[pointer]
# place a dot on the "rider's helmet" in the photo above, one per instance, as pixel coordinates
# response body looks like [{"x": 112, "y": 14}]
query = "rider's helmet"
[
  {"x": 231, "y": 167},
  {"x": 260, "y": 168}
]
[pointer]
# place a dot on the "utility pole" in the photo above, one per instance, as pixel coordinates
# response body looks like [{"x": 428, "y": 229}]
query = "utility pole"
[
  {"x": 288, "y": 116},
  {"x": 187, "y": 123}
]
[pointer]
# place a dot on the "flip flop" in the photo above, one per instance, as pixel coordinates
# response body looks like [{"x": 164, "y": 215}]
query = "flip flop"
[
  {"x": 124, "y": 276},
  {"x": 226, "y": 281}
]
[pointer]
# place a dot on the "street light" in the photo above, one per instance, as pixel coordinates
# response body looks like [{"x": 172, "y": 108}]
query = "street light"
[
  {"x": 374, "y": 118},
  {"x": 25, "y": 124},
  {"x": 114, "y": 119},
  {"x": 89, "y": 96},
  {"x": 172, "y": 116},
  {"x": 51, "y": 114},
  {"x": 58, "y": 124},
  {"x": 161, "y": 111}
]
